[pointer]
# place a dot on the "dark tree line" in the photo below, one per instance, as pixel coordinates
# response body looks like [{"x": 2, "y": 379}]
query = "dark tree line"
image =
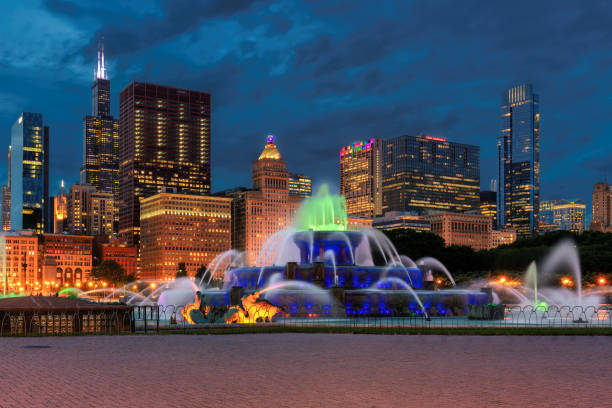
[{"x": 595, "y": 249}]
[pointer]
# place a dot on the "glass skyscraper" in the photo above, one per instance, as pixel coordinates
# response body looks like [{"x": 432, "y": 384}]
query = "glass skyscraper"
[
  {"x": 518, "y": 152},
  {"x": 29, "y": 172},
  {"x": 425, "y": 174}
]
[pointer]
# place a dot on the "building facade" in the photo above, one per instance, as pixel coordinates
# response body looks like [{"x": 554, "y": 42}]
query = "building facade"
[
  {"x": 125, "y": 256},
  {"x": 426, "y": 174},
  {"x": 90, "y": 212},
  {"x": 488, "y": 205},
  {"x": 401, "y": 220},
  {"x": 564, "y": 215},
  {"x": 66, "y": 260},
  {"x": 29, "y": 172},
  {"x": 518, "y": 154},
  {"x": 300, "y": 185},
  {"x": 602, "y": 208},
  {"x": 267, "y": 208},
  {"x": 164, "y": 141},
  {"x": 502, "y": 237},
  {"x": 6, "y": 198},
  {"x": 473, "y": 230},
  {"x": 21, "y": 265},
  {"x": 179, "y": 228},
  {"x": 100, "y": 167},
  {"x": 60, "y": 211},
  {"x": 361, "y": 177}
]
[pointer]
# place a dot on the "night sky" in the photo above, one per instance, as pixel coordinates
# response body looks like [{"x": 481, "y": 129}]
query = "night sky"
[{"x": 322, "y": 74}]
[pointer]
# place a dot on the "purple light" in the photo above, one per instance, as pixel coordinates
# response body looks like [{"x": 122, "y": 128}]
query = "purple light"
[{"x": 270, "y": 139}]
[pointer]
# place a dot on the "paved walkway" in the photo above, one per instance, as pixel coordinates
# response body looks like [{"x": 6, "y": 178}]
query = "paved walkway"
[{"x": 306, "y": 370}]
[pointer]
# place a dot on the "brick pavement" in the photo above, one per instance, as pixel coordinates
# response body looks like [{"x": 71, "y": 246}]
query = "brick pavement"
[{"x": 306, "y": 370}]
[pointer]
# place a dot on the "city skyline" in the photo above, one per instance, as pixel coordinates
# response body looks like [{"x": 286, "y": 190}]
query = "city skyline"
[{"x": 463, "y": 109}]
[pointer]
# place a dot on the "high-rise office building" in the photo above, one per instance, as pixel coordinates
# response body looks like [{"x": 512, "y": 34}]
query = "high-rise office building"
[
  {"x": 178, "y": 228},
  {"x": 602, "y": 208},
  {"x": 164, "y": 141},
  {"x": 565, "y": 215},
  {"x": 488, "y": 205},
  {"x": 361, "y": 178},
  {"x": 267, "y": 208},
  {"x": 300, "y": 185},
  {"x": 6, "y": 198},
  {"x": 101, "y": 137},
  {"x": 518, "y": 154},
  {"x": 29, "y": 172},
  {"x": 426, "y": 174},
  {"x": 90, "y": 212}
]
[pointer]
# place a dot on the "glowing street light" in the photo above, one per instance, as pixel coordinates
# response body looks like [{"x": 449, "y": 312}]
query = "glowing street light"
[
  {"x": 567, "y": 282},
  {"x": 601, "y": 281}
]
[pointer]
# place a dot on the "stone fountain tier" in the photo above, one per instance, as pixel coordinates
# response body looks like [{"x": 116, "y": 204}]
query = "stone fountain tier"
[
  {"x": 365, "y": 302},
  {"x": 323, "y": 275},
  {"x": 314, "y": 245}
]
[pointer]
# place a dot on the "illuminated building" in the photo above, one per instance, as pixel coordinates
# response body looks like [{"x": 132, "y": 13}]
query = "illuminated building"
[
  {"x": 164, "y": 141},
  {"x": 300, "y": 185},
  {"x": 399, "y": 220},
  {"x": 66, "y": 260},
  {"x": 488, "y": 205},
  {"x": 60, "y": 211},
  {"x": 6, "y": 199},
  {"x": 90, "y": 212},
  {"x": 22, "y": 271},
  {"x": 518, "y": 147},
  {"x": 602, "y": 208},
  {"x": 502, "y": 237},
  {"x": 125, "y": 256},
  {"x": 267, "y": 208},
  {"x": 562, "y": 215},
  {"x": 425, "y": 174},
  {"x": 29, "y": 172},
  {"x": 473, "y": 230},
  {"x": 357, "y": 222},
  {"x": 101, "y": 138},
  {"x": 360, "y": 177},
  {"x": 179, "y": 228}
]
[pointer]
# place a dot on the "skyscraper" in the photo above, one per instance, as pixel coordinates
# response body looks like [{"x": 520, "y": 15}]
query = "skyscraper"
[
  {"x": 361, "y": 179},
  {"x": 6, "y": 198},
  {"x": 164, "y": 141},
  {"x": 602, "y": 208},
  {"x": 267, "y": 208},
  {"x": 426, "y": 174},
  {"x": 518, "y": 154},
  {"x": 101, "y": 137},
  {"x": 488, "y": 205},
  {"x": 29, "y": 172},
  {"x": 60, "y": 211}
]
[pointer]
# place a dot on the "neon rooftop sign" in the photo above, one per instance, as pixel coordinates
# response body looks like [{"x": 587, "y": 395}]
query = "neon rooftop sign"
[{"x": 437, "y": 139}]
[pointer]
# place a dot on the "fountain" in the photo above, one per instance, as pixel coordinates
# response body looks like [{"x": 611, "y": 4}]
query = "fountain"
[{"x": 318, "y": 267}]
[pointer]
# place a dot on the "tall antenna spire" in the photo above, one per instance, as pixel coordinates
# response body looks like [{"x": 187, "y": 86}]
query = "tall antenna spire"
[{"x": 101, "y": 71}]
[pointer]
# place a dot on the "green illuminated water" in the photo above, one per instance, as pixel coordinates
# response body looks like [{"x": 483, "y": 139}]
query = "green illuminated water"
[
  {"x": 12, "y": 295},
  {"x": 69, "y": 292},
  {"x": 322, "y": 212}
]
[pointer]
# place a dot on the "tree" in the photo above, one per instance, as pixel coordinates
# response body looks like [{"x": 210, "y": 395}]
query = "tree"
[
  {"x": 111, "y": 271},
  {"x": 182, "y": 272}
]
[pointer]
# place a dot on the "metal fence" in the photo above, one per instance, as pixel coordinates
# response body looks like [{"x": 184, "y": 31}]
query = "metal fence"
[
  {"x": 157, "y": 319},
  {"x": 168, "y": 318}
]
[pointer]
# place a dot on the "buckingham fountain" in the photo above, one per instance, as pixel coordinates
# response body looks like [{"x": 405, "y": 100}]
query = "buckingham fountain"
[{"x": 319, "y": 268}]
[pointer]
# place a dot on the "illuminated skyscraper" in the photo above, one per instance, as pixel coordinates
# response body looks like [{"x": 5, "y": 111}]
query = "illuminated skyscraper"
[
  {"x": 361, "y": 179},
  {"x": 6, "y": 198},
  {"x": 267, "y": 208},
  {"x": 29, "y": 172},
  {"x": 164, "y": 141},
  {"x": 300, "y": 185},
  {"x": 518, "y": 154},
  {"x": 426, "y": 174},
  {"x": 60, "y": 211},
  {"x": 101, "y": 137}
]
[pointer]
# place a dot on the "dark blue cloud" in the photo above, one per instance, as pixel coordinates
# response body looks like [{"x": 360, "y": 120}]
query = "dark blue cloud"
[{"x": 322, "y": 74}]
